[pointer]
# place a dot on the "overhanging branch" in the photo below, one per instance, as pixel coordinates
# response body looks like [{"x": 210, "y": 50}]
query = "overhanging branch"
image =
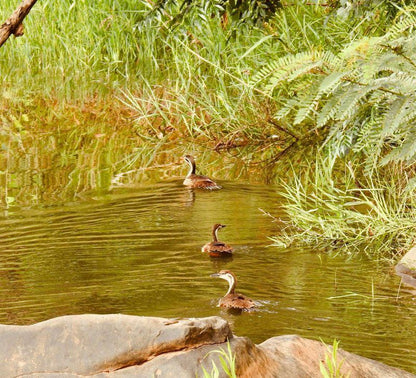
[{"x": 14, "y": 25}]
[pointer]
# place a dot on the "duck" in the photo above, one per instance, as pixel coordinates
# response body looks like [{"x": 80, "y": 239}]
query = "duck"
[
  {"x": 233, "y": 300},
  {"x": 217, "y": 248},
  {"x": 193, "y": 180}
]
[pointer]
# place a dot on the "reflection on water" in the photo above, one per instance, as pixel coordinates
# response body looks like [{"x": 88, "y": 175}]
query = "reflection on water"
[{"x": 137, "y": 251}]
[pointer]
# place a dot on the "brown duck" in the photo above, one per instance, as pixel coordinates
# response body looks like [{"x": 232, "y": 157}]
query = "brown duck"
[
  {"x": 233, "y": 300},
  {"x": 217, "y": 248},
  {"x": 197, "y": 181}
]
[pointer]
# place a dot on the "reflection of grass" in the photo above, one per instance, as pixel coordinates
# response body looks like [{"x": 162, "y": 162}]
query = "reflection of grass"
[
  {"x": 48, "y": 156},
  {"x": 227, "y": 362}
]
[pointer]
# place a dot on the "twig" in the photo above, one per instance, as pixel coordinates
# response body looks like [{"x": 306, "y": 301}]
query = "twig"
[
  {"x": 13, "y": 24},
  {"x": 275, "y": 124}
]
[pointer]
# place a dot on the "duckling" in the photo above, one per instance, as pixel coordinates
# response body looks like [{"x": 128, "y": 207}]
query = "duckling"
[
  {"x": 232, "y": 300},
  {"x": 197, "y": 181},
  {"x": 217, "y": 248}
]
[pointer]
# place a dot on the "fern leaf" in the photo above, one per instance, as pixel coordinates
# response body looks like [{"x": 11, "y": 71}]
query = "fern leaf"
[
  {"x": 307, "y": 107},
  {"x": 394, "y": 116},
  {"x": 331, "y": 82},
  {"x": 329, "y": 110},
  {"x": 286, "y": 109}
]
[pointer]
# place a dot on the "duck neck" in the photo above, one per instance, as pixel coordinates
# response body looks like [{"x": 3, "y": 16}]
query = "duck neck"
[
  {"x": 231, "y": 283},
  {"x": 214, "y": 234},
  {"x": 192, "y": 168}
]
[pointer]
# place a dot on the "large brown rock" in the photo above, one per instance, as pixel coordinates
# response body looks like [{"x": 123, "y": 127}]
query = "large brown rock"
[
  {"x": 129, "y": 346},
  {"x": 90, "y": 344},
  {"x": 406, "y": 268},
  {"x": 299, "y": 357}
]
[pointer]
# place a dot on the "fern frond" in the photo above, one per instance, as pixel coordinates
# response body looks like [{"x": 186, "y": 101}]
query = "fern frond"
[
  {"x": 400, "y": 82},
  {"x": 308, "y": 105},
  {"x": 328, "y": 111},
  {"x": 286, "y": 109},
  {"x": 331, "y": 82},
  {"x": 282, "y": 66},
  {"x": 407, "y": 23},
  {"x": 405, "y": 152},
  {"x": 351, "y": 99},
  {"x": 394, "y": 116}
]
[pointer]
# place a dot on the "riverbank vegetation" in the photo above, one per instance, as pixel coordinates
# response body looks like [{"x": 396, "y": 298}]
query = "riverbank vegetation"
[{"x": 103, "y": 88}]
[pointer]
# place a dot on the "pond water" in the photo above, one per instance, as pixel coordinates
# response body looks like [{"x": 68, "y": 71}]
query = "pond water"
[{"x": 137, "y": 250}]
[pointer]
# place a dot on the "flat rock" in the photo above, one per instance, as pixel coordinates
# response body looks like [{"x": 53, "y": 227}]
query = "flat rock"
[
  {"x": 406, "y": 268},
  {"x": 91, "y": 344}
]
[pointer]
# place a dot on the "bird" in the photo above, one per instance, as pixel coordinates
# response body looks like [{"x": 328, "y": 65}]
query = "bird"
[
  {"x": 233, "y": 300},
  {"x": 193, "y": 180},
  {"x": 217, "y": 248}
]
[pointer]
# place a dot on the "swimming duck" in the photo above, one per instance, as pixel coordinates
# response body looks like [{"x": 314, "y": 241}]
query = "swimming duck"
[
  {"x": 197, "y": 181},
  {"x": 217, "y": 248},
  {"x": 232, "y": 300}
]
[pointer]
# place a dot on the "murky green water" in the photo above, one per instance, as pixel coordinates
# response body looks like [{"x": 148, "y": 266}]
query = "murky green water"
[{"x": 137, "y": 251}]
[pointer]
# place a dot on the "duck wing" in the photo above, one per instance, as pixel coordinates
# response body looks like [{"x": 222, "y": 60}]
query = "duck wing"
[
  {"x": 221, "y": 247},
  {"x": 204, "y": 182},
  {"x": 241, "y": 301}
]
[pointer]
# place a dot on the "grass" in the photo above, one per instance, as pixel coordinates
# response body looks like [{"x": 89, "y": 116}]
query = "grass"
[
  {"x": 332, "y": 368},
  {"x": 71, "y": 50},
  {"x": 329, "y": 205},
  {"x": 227, "y": 362}
]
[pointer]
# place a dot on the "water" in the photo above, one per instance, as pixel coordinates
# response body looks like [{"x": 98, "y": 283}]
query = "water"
[{"x": 137, "y": 251}]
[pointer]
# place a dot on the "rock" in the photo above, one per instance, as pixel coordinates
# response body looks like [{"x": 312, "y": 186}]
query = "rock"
[
  {"x": 104, "y": 346},
  {"x": 90, "y": 344},
  {"x": 251, "y": 362},
  {"x": 406, "y": 268},
  {"x": 299, "y": 357}
]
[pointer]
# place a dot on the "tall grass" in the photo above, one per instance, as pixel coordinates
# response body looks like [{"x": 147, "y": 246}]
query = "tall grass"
[
  {"x": 331, "y": 205},
  {"x": 193, "y": 77},
  {"x": 71, "y": 49}
]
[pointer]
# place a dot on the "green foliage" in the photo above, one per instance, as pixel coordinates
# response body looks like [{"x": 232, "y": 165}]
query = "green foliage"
[
  {"x": 239, "y": 12},
  {"x": 362, "y": 97},
  {"x": 196, "y": 82},
  {"x": 332, "y": 368},
  {"x": 330, "y": 205},
  {"x": 367, "y": 9},
  {"x": 227, "y": 362}
]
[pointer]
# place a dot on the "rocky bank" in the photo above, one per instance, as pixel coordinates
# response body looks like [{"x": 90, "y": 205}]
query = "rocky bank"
[{"x": 134, "y": 346}]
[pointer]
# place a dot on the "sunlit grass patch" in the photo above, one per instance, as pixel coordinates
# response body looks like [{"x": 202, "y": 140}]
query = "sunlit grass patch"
[{"x": 336, "y": 208}]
